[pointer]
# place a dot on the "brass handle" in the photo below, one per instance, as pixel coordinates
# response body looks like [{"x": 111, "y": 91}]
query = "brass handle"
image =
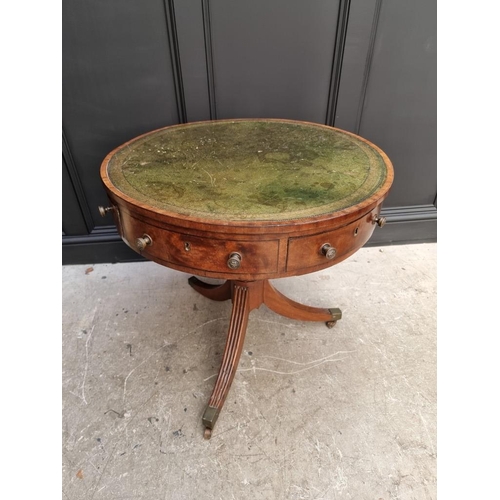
[
  {"x": 143, "y": 242},
  {"x": 234, "y": 261},
  {"x": 104, "y": 210},
  {"x": 380, "y": 221},
  {"x": 328, "y": 251}
]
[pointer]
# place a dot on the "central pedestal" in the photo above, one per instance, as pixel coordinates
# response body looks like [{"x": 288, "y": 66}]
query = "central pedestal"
[{"x": 246, "y": 296}]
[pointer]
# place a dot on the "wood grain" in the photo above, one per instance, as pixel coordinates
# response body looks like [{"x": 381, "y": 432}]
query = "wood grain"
[{"x": 269, "y": 249}]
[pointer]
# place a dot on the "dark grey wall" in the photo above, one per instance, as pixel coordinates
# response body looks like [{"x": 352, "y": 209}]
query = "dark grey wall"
[
  {"x": 130, "y": 66},
  {"x": 273, "y": 58},
  {"x": 400, "y": 101}
]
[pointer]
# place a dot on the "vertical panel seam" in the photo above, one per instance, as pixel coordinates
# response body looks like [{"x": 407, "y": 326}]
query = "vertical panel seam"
[
  {"x": 368, "y": 64},
  {"x": 175, "y": 60},
  {"x": 209, "y": 56},
  {"x": 338, "y": 55},
  {"x": 77, "y": 184}
]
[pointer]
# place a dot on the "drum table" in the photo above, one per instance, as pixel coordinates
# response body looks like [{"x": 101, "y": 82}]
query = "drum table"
[{"x": 247, "y": 201}]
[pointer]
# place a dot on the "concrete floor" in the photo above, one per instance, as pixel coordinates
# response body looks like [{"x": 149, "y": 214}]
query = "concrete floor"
[{"x": 313, "y": 413}]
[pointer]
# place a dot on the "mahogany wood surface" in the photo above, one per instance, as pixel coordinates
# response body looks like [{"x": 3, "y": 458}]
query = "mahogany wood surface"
[
  {"x": 214, "y": 292},
  {"x": 284, "y": 306},
  {"x": 269, "y": 249},
  {"x": 246, "y": 296},
  {"x": 242, "y": 305}
]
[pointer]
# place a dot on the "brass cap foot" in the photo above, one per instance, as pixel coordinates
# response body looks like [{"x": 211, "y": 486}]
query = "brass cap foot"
[
  {"x": 210, "y": 416},
  {"x": 336, "y": 313}
]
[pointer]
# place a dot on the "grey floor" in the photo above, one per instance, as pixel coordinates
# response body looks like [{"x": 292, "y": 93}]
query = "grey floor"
[{"x": 313, "y": 413}]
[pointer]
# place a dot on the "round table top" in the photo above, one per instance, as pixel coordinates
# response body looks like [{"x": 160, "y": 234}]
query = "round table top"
[{"x": 251, "y": 170}]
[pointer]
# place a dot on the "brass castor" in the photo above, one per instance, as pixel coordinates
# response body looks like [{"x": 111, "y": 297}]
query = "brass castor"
[
  {"x": 336, "y": 315},
  {"x": 208, "y": 433}
]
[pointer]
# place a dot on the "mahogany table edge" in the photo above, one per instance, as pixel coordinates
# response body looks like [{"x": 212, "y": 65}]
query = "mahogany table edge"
[{"x": 278, "y": 249}]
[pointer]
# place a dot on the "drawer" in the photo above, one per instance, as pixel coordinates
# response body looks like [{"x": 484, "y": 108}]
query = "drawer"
[
  {"x": 309, "y": 252},
  {"x": 199, "y": 253}
]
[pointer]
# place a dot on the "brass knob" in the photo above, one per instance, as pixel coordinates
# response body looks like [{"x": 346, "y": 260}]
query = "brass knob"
[
  {"x": 143, "y": 242},
  {"x": 328, "y": 251},
  {"x": 380, "y": 221},
  {"x": 234, "y": 261},
  {"x": 104, "y": 210}
]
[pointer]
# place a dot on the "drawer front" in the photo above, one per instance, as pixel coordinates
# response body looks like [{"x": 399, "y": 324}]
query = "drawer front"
[
  {"x": 198, "y": 253},
  {"x": 309, "y": 252}
]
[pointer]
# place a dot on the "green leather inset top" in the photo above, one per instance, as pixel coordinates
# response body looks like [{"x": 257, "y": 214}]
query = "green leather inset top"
[{"x": 248, "y": 170}]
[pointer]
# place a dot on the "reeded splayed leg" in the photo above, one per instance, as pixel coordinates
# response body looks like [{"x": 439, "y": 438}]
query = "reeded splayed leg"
[
  {"x": 244, "y": 300},
  {"x": 246, "y": 296},
  {"x": 284, "y": 306}
]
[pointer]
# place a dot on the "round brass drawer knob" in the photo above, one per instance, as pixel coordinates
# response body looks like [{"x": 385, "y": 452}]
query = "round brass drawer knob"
[
  {"x": 104, "y": 210},
  {"x": 328, "y": 251},
  {"x": 143, "y": 242},
  {"x": 234, "y": 261},
  {"x": 380, "y": 221}
]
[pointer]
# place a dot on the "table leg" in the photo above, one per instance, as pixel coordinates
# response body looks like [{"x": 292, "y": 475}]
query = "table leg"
[
  {"x": 246, "y": 296},
  {"x": 214, "y": 292},
  {"x": 242, "y": 305},
  {"x": 284, "y": 306}
]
